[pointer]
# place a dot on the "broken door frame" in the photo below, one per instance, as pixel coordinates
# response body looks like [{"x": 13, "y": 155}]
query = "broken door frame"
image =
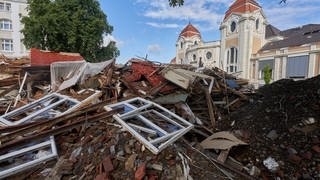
[{"x": 163, "y": 140}]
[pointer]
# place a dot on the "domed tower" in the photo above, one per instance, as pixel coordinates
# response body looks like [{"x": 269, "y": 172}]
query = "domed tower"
[
  {"x": 242, "y": 35},
  {"x": 188, "y": 37}
]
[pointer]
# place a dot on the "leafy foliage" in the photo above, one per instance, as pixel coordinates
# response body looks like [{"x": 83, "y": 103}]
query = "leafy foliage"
[
  {"x": 175, "y": 3},
  {"x": 70, "y": 26},
  {"x": 267, "y": 74}
]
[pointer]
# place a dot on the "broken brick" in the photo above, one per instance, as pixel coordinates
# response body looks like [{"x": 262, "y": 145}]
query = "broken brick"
[
  {"x": 141, "y": 172},
  {"x": 294, "y": 158},
  {"x": 316, "y": 148},
  {"x": 107, "y": 164}
]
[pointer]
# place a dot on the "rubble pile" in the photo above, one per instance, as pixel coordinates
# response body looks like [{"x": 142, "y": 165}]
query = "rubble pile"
[
  {"x": 146, "y": 120},
  {"x": 10, "y": 77},
  {"x": 282, "y": 122}
]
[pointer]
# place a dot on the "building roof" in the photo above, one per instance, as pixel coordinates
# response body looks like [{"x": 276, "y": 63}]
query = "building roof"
[
  {"x": 242, "y": 6},
  {"x": 272, "y": 31},
  {"x": 173, "y": 61},
  {"x": 296, "y": 37},
  {"x": 190, "y": 31}
]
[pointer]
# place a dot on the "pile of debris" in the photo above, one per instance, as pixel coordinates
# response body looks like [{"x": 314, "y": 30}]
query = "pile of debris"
[
  {"x": 282, "y": 124},
  {"x": 10, "y": 79},
  {"x": 143, "y": 119}
]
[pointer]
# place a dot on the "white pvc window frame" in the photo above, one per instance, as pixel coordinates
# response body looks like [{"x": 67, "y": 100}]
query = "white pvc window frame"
[
  {"x": 5, "y": 24},
  {"x": 44, "y": 101},
  {"x": 7, "y": 45},
  {"x": 48, "y": 143},
  {"x": 164, "y": 138},
  {"x": 24, "y": 151}
]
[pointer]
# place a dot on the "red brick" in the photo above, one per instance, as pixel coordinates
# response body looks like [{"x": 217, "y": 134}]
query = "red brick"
[
  {"x": 295, "y": 158},
  {"x": 107, "y": 164},
  {"x": 316, "y": 148},
  {"x": 307, "y": 155},
  {"x": 44, "y": 58},
  {"x": 141, "y": 172}
]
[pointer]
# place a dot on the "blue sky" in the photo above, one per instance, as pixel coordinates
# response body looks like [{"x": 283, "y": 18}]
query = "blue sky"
[{"x": 152, "y": 27}]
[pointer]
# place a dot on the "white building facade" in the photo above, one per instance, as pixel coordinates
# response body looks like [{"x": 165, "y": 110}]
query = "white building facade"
[
  {"x": 249, "y": 43},
  {"x": 191, "y": 49},
  {"x": 11, "y": 12}
]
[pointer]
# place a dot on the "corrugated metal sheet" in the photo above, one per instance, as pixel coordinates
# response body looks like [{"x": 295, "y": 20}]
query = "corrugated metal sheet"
[{"x": 297, "y": 67}]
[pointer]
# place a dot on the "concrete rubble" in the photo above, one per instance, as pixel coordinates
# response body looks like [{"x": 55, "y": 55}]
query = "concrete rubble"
[{"x": 146, "y": 120}]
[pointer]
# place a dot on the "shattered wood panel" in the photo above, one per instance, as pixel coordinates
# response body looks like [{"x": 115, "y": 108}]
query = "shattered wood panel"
[{"x": 178, "y": 79}]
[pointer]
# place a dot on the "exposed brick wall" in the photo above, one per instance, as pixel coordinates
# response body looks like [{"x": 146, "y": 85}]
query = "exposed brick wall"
[{"x": 44, "y": 58}]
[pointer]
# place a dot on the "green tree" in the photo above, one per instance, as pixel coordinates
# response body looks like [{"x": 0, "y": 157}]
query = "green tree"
[
  {"x": 267, "y": 74},
  {"x": 70, "y": 26}
]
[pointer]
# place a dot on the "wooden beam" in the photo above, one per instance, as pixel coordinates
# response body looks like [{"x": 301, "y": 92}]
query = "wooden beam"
[{"x": 210, "y": 107}]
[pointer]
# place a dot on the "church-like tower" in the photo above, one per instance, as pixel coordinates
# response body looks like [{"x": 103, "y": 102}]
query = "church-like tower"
[
  {"x": 242, "y": 34},
  {"x": 188, "y": 37}
]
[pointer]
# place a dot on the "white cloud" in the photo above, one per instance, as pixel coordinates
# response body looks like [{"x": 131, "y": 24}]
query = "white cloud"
[
  {"x": 162, "y": 25},
  {"x": 209, "y": 13},
  {"x": 154, "y": 48},
  {"x": 205, "y": 12},
  {"x": 292, "y": 14}
]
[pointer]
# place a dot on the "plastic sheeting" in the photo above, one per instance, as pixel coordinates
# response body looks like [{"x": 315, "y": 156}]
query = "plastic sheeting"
[{"x": 68, "y": 73}]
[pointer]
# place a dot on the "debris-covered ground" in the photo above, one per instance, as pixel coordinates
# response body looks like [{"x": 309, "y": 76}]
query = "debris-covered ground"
[
  {"x": 282, "y": 122},
  {"x": 232, "y": 132}
]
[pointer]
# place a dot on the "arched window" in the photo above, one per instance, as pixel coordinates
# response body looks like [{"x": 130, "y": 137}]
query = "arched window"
[
  {"x": 195, "y": 43},
  {"x": 5, "y": 24},
  {"x": 232, "y": 60},
  {"x": 257, "y": 24},
  {"x": 194, "y": 57},
  {"x": 181, "y": 45},
  {"x": 233, "y": 26}
]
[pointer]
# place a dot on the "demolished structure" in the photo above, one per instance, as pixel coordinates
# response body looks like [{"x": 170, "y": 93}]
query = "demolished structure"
[{"x": 146, "y": 120}]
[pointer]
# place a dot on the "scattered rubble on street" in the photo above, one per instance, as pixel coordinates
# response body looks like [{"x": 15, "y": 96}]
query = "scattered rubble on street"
[{"x": 146, "y": 120}]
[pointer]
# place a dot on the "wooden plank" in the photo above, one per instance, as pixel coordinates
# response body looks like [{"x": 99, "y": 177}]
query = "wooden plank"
[{"x": 210, "y": 107}]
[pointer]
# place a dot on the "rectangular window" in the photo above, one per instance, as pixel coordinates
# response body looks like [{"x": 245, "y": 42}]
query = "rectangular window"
[
  {"x": 231, "y": 69},
  {"x": 232, "y": 56},
  {"x": 7, "y": 45},
  {"x": 1, "y": 6},
  {"x": 263, "y": 64},
  {"x": 228, "y": 57},
  {"x": 8, "y": 7},
  {"x": 5, "y": 24},
  {"x": 297, "y": 67}
]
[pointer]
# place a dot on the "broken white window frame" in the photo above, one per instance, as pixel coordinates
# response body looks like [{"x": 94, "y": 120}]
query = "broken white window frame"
[
  {"x": 46, "y": 101},
  {"x": 160, "y": 143},
  {"x": 24, "y": 166},
  {"x": 50, "y": 142}
]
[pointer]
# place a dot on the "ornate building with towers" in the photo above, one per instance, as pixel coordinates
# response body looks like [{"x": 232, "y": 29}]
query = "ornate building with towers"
[{"x": 249, "y": 43}]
